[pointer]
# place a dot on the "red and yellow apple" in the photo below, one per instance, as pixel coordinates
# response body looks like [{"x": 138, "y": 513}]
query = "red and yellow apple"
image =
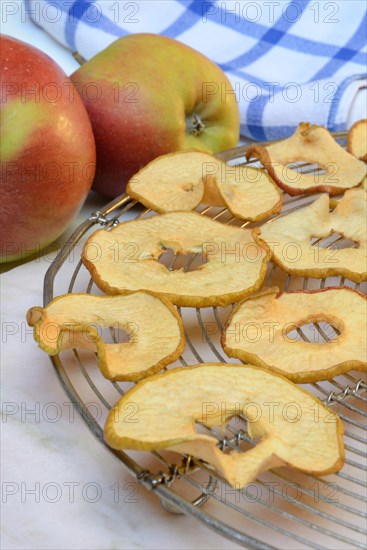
[
  {"x": 148, "y": 95},
  {"x": 47, "y": 150}
]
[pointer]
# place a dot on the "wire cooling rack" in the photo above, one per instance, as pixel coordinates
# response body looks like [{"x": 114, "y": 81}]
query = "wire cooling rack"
[{"x": 295, "y": 509}]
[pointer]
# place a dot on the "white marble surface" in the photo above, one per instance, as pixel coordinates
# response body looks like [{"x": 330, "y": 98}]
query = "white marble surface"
[
  {"x": 49, "y": 456},
  {"x": 60, "y": 461}
]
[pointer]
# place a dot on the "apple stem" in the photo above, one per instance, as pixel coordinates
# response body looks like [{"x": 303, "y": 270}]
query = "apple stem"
[
  {"x": 79, "y": 58},
  {"x": 194, "y": 125}
]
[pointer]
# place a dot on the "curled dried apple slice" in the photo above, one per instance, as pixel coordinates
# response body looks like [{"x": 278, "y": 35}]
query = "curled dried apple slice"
[
  {"x": 249, "y": 193},
  {"x": 289, "y": 238},
  {"x": 314, "y": 145},
  {"x": 180, "y": 181},
  {"x": 294, "y": 428},
  {"x": 357, "y": 140},
  {"x": 171, "y": 182},
  {"x": 126, "y": 259},
  {"x": 76, "y": 321},
  {"x": 258, "y": 328}
]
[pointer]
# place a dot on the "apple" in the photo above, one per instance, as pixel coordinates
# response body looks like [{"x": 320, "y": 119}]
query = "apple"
[
  {"x": 148, "y": 95},
  {"x": 47, "y": 150}
]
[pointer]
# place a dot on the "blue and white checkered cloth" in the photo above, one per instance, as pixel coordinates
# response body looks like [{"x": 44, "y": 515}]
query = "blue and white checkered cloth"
[{"x": 288, "y": 61}]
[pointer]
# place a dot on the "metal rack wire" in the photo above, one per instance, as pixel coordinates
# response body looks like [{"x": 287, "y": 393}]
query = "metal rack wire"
[{"x": 301, "y": 510}]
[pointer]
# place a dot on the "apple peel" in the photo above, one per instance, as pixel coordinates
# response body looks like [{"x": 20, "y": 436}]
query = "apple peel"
[
  {"x": 75, "y": 321},
  {"x": 212, "y": 393},
  {"x": 257, "y": 332},
  {"x": 357, "y": 140},
  {"x": 289, "y": 238},
  {"x": 315, "y": 145},
  {"x": 236, "y": 264}
]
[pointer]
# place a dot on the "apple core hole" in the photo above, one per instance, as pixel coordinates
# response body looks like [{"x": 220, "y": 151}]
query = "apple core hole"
[
  {"x": 334, "y": 242},
  {"x": 117, "y": 335},
  {"x": 229, "y": 424},
  {"x": 122, "y": 336},
  {"x": 176, "y": 261},
  {"x": 319, "y": 332},
  {"x": 232, "y": 437},
  {"x": 304, "y": 167}
]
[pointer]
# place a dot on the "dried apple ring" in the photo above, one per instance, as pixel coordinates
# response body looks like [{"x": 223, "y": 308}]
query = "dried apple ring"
[
  {"x": 357, "y": 140},
  {"x": 293, "y": 427},
  {"x": 289, "y": 238},
  {"x": 76, "y": 320},
  {"x": 314, "y": 145},
  {"x": 257, "y": 331},
  {"x": 181, "y": 181},
  {"x": 126, "y": 259}
]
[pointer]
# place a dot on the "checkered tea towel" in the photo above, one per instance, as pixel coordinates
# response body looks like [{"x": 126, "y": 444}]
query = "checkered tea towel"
[{"x": 288, "y": 61}]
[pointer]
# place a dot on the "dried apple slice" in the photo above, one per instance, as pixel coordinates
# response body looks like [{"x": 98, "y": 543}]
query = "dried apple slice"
[
  {"x": 294, "y": 428},
  {"x": 257, "y": 331},
  {"x": 126, "y": 259},
  {"x": 249, "y": 193},
  {"x": 76, "y": 321},
  {"x": 171, "y": 182},
  {"x": 181, "y": 181},
  {"x": 357, "y": 140},
  {"x": 289, "y": 238},
  {"x": 315, "y": 145}
]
